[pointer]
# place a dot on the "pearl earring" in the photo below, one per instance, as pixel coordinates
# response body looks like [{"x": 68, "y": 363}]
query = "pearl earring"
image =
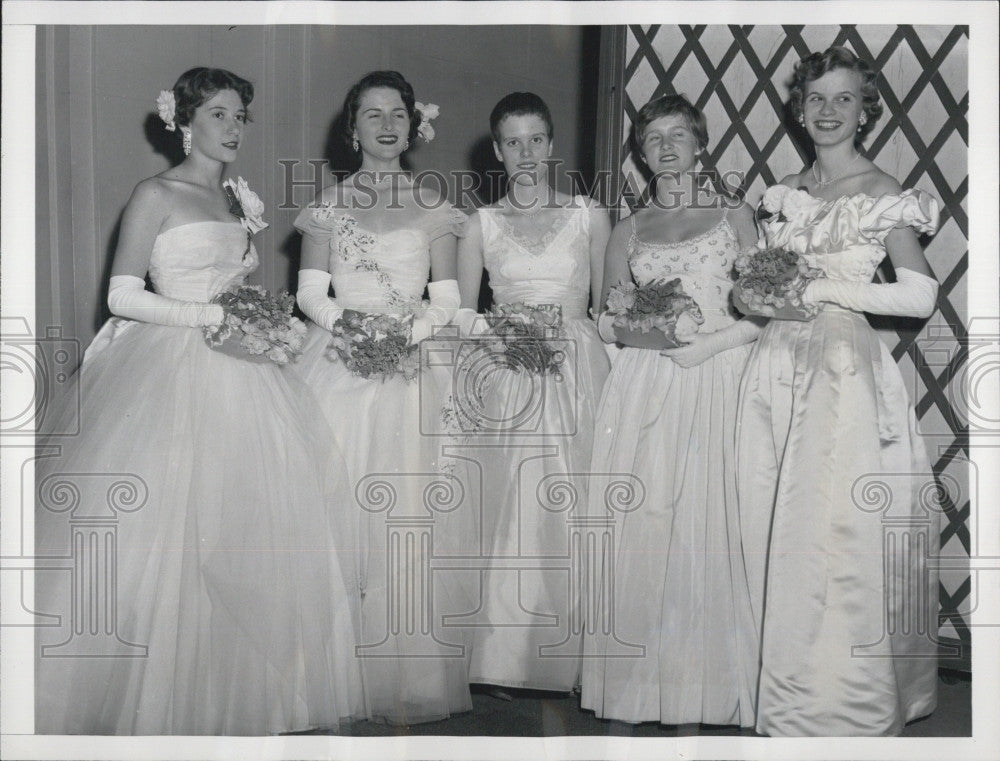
[
  {"x": 186, "y": 144},
  {"x": 406, "y": 144}
]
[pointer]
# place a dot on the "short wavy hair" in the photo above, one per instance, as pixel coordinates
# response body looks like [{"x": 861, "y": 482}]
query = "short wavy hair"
[
  {"x": 670, "y": 105},
  {"x": 392, "y": 80},
  {"x": 520, "y": 104},
  {"x": 815, "y": 65},
  {"x": 197, "y": 85}
]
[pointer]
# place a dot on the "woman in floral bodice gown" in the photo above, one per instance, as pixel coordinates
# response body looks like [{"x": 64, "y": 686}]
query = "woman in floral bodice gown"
[
  {"x": 848, "y": 626},
  {"x": 539, "y": 247},
  {"x": 667, "y": 644},
  {"x": 232, "y": 613},
  {"x": 376, "y": 235}
]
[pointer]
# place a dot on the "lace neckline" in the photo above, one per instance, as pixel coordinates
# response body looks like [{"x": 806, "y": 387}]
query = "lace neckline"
[{"x": 536, "y": 246}]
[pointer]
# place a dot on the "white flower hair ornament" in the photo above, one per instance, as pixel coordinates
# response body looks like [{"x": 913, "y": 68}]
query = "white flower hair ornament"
[
  {"x": 427, "y": 112},
  {"x": 166, "y": 107}
]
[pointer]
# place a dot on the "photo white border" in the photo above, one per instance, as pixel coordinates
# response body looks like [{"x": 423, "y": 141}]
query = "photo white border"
[{"x": 17, "y": 245}]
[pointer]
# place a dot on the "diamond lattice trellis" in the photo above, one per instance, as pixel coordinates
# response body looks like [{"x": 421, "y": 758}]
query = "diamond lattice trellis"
[{"x": 738, "y": 76}]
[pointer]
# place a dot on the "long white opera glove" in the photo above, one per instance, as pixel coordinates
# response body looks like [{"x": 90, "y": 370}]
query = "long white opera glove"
[
  {"x": 912, "y": 295},
  {"x": 314, "y": 300},
  {"x": 465, "y": 319},
  {"x": 128, "y": 297},
  {"x": 445, "y": 301},
  {"x": 705, "y": 345},
  {"x": 606, "y": 328}
]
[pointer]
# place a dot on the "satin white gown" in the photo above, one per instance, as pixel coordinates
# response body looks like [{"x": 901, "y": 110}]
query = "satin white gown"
[
  {"x": 532, "y": 464},
  {"x": 677, "y": 647},
  {"x": 197, "y": 495},
  {"x": 406, "y": 511},
  {"x": 831, "y": 473}
]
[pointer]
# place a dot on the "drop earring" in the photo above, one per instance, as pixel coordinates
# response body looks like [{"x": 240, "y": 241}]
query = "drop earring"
[
  {"x": 862, "y": 121},
  {"x": 406, "y": 144},
  {"x": 355, "y": 144},
  {"x": 186, "y": 143}
]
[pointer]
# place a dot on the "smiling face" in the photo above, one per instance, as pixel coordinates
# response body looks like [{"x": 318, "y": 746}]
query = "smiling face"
[
  {"x": 523, "y": 147},
  {"x": 669, "y": 144},
  {"x": 832, "y": 106},
  {"x": 382, "y": 123},
  {"x": 217, "y": 126}
]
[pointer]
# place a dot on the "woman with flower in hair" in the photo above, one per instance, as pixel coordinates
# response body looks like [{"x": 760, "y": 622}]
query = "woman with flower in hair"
[
  {"x": 673, "y": 643},
  {"x": 377, "y": 236},
  {"x": 847, "y": 624},
  {"x": 227, "y": 610},
  {"x": 543, "y": 251}
]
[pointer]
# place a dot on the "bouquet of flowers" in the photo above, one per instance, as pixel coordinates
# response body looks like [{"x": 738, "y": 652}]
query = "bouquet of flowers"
[
  {"x": 258, "y": 326},
  {"x": 660, "y": 304},
  {"x": 374, "y": 345},
  {"x": 771, "y": 282},
  {"x": 524, "y": 336}
]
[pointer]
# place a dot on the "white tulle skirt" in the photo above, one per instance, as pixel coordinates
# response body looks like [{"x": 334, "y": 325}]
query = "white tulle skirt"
[
  {"x": 213, "y": 586},
  {"x": 529, "y": 469},
  {"x": 407, "y": 512}
]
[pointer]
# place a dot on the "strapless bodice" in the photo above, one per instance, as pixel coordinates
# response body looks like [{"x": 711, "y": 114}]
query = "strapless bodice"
[{"x": 198, "y": 260}]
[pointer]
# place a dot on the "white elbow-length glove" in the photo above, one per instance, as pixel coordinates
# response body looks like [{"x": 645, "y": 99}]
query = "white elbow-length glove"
[
  {"x": 606, "y": 327},
  {"x": 445, "y": 301},
  {"x": 912, "y": 295},
  {"x": 314, "y": 300},
  {"x": 705, "y": 345},
  {"x": 466, "y": 320},
  {"x": 128, "y": 297}
]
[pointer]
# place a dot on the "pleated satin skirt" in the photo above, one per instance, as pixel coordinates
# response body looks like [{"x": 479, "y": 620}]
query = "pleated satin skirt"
[{"x": 837, "y": 530}]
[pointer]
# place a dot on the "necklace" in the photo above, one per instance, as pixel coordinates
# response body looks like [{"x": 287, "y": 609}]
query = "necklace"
[{"x": 824, "y": 183}]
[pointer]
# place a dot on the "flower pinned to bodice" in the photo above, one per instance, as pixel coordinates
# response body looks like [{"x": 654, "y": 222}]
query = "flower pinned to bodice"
[
  {"x": 245, "y": 204},
  {"x": 787, "y": 202}
]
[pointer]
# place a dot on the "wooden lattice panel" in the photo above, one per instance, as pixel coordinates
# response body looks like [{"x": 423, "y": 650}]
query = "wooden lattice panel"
[{"x": 738, "y": 76}]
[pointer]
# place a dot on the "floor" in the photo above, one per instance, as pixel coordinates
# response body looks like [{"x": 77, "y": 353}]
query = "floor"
[{"x": 541, "y": 714}]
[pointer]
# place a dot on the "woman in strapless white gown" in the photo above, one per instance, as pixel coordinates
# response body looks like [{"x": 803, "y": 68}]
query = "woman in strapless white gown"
[
  {"x": 232, "y": 607},
  {"x": 540, "y": 247},
  {"x": 377, "y": 237}
]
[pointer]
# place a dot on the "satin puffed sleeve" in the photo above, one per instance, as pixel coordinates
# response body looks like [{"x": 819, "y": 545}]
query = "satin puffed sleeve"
[
  {"x": 317, "y": 221},
  {"x": 446, "y": 219},
  {"x": 911, "y": 208}
]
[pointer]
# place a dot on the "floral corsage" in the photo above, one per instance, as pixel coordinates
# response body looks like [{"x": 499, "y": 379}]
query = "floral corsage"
[
  {"x": 660, "y": 304},
  {"x": 374, "y": 345},
  {"x": 771, "y": 283},
  {"x": 526, "y": 337},
  {"x": 257, "y": 326}
]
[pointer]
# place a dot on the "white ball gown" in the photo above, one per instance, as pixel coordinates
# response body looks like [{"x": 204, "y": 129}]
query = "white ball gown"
[
  {"x": 406, "y": 510},
  {"x": 532, "y": 461},
  {"x": 674, "y": 640},
  {"x": 848, "y": 624},
  {"x": 233, "y": 616}
]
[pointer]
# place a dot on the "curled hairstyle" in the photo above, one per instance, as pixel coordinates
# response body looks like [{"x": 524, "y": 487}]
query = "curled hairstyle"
[
  {"x": 519, "y": 104},
  {"x": 670, "y": 105},
  {"x": 815, "y": 65},
  {"x": 390, "y": 79},
  {"x": 197, "y": 85}
]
